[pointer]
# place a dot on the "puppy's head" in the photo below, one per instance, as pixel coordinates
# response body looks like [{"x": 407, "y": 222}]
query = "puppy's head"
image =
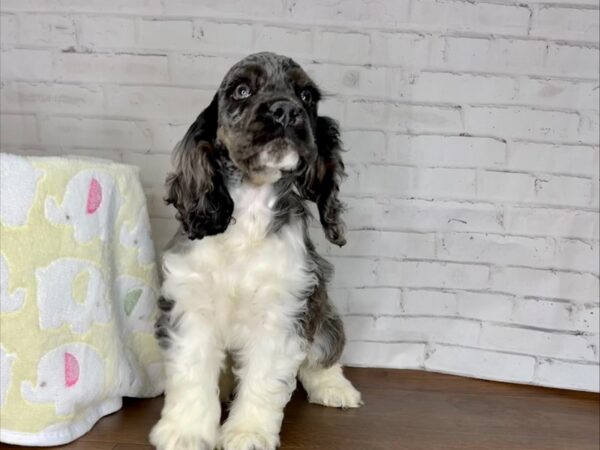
[
  {"x": 267, "y": 116},
  {"x": 264, "y": 122}
]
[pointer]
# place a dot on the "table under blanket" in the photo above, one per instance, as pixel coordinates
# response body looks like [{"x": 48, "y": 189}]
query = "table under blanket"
[{"x": 78, "y": 289}]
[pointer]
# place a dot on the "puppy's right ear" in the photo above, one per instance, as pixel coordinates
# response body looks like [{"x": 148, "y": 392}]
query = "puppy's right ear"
[{"x": 197, "y": 187}]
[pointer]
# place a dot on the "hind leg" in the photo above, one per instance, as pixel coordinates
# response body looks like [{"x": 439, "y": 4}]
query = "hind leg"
[
  {"x": 329, "y": 387},
  {"x": 321, "y": 374}
]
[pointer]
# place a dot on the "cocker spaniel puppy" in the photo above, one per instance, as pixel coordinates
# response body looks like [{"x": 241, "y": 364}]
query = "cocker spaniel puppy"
[{"x": 244, "y": 286}]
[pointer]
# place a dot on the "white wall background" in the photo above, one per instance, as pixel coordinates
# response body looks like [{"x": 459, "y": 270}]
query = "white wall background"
[{"x": 473, "y": 135}]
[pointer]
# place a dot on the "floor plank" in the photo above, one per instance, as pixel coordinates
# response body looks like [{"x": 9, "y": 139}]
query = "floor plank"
[{"x": 404, "y": 409}]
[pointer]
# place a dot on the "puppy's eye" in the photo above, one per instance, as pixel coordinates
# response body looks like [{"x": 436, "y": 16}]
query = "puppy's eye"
[
  {"x": 306, "y": 96},
  {"x": 242, "y": 91}
]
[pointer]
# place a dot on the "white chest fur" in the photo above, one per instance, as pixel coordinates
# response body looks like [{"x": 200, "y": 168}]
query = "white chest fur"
[{"x": 245, "y": 277}]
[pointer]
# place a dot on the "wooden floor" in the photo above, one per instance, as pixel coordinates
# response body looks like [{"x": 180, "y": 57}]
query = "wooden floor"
[{"x": 406, "y": 410}]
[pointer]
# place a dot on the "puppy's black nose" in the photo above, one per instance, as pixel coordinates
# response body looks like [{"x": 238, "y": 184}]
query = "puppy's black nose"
[{"x": 284, "y": 113}]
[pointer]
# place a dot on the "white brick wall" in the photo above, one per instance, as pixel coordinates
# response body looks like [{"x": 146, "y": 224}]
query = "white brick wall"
[{"x": 472, "y": 129}]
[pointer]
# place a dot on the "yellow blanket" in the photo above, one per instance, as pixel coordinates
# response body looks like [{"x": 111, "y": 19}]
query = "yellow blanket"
[{"x": 78, "y": 288}]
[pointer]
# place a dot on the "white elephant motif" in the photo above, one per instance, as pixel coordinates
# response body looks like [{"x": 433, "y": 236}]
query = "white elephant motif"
[
  {"x": 90, "y": 204},
  {"x": 139, "y": 238},
  {"x": 136, "y": 304},
  {"x": 8, "y": 302},
  {"x": 6, "y": 360},
  {"x": 55, "y": 295},
  {"x": 69, "y": 376},
  {"x": 18, "y": 182}
]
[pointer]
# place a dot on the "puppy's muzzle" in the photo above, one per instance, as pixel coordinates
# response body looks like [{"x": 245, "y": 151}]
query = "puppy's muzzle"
[{"x": 285, "y": 113}]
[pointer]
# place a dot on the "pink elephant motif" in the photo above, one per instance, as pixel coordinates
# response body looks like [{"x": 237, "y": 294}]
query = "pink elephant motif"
[
  {"x": 90, "y": 205},
  {"x": 70, "y": 376}
]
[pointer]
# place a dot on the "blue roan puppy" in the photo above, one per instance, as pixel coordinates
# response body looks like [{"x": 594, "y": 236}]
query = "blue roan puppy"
[{"x": 244, "y": 289}]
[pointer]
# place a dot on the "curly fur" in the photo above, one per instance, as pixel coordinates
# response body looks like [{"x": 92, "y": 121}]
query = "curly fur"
[{"x": 245, "y": 292}]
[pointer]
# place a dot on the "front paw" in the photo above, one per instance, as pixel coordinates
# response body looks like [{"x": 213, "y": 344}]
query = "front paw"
[
  {"x": 245, "y": 438},
  {"x": 169, "y": 435}
]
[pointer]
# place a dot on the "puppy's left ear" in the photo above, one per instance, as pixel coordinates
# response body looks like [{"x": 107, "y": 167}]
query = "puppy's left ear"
[{"x": 323, "y": 178}]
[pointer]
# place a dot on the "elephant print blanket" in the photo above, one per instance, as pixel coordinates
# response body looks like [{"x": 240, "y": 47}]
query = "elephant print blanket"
[{"x": 78, "y": 290}]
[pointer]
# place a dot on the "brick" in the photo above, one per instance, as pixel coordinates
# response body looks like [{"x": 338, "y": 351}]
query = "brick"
[
  {"x": 446, "y": 151},
  {"x": 165, "y": 34},
  {"x": 206, "y": 71},
  {"x": 8, "y": 29},
  {"x": 558, "y": 93},
  {"x": 358, "y": 328},
  {"x": 424, "y": 215},
  {"x": 579, "y": 287},
  {"x": 111, "y": 68},
  {"x": 384, "y": 354},
  {"x": 102, "y": 6},
  {"x": 237, "y": 8},
  {"x": 480, "y": 363},
  {"x": 552, "y": 222},
  {"x": 432, "y": 274},
  {"x": 417, "y": 118},
  {"x": 436, "y": 303},
  {"x": 586, "y": 318},
  {"x": 382, "y": 13},
  {"x": 427, "y": 329},
  {"x": 364, "y": 146},
  {"x": 107, "y": 32},
  {"x": 499, "y": 55},
  {"x": 573, "y": 60},
  {"x": 165, "y": 135},
  {"x": 383, "y": 243},
  {"x": 496, "y": 249},
  {"x": 565, "y": 23},
  {"x": 338, "y": 299},
  {"x": 411, "y": 182},
  {"x": 543, "y": 314},
  {"x": 153, "y": 167},
  {"x": 18, "y": 129},
  {"x": 573, "y": 254},
  {"x": 166, "y": 103},
  {"x": 94, "y": 133},
  {"x": 47, "y": 30},
  {"x": 408, "y": 50},
  {"x": 506, "y": 186},
  {"x": 568, "y": 375},
  {"x": 534, "y": 342},
  {"x": 224, "y": 36},
  {"x": 24, "y": 64},
  {"x": 552, "y": 158},
  {"x": 353, "y": 272},
  {"x": 361, "y": 113},
  {"x": 333, "y": 107},
  {"x": 547, "y": 189},
  {"x": 465, "y": 16},
  {"x": 374, "y": 301},
  {"x": 46, "y": 97},
  {"x": 522, "y": 123},
  {"x": 290, "y": 41},
  {"x": 564, "y": 190},
  {"x": 355, "y": 80},
  {"x": 485, "y": 306},
  {"x": 343, "y": 47},
  {"x": 589, "y": 128},
  {"x": 454, "y": 88}
]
